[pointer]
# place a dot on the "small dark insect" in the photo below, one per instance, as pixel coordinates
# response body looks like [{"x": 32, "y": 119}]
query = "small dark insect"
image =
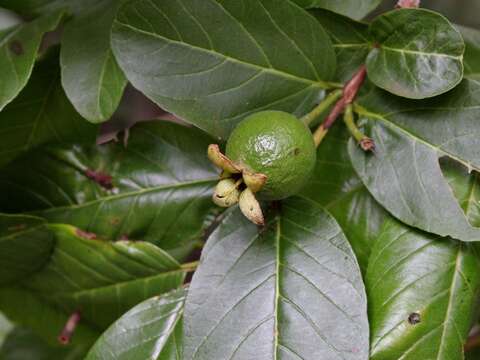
[
  {"x": 414, "y": 318},
  {"x": 16, "y": 47}
]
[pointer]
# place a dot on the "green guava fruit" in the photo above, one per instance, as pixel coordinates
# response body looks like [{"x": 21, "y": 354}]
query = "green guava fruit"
[{"x": 278, "y": 145}]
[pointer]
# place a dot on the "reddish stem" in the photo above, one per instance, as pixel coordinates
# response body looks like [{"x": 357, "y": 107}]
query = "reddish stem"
[
  {"x": 350, "y": 91},
  {"x": 404, "y": 4},
  {"x": 473, "y": 341},
  {"x": 67, "y": 332}
]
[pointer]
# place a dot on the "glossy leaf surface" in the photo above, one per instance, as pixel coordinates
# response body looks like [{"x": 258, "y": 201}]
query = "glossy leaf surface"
[
  {"x": 418, "y": 54},
  {"x": 18, "y": 50},
  {"x": 25, "y": 246},
  {"x": 101, "y": 279},
  {"x": 351, "y": 41},
  {"x": 335, "y": 185},
  {"x": 23, "y": 307},
  {"x": 404, "y": 174},
  {"x": 23, "y": 344},
  {"x": 355, "y": 9},
  {"x": 297, "y": 273},
  {"x": 213, "y": 63},
  {"x": 471, "y": 58},
  {"x": 414, "y": 276},
  {"x": 32, "y": 8},
  {"x": 151, "y": 330},
  {"x": 90, "y": 75},
  {"x": 159, "y": 191},
  {"x": 423, "y": 289},
  {"x": 41, "y": 114}
]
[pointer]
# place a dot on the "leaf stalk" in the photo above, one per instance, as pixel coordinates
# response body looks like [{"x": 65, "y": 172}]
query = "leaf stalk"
[
  {"x": 322, "y": 107},
  {"x": 349, "y": 94}
]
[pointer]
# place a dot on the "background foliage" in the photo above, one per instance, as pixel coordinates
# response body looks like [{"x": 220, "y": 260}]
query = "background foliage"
[{"x": 377, "y": 257}]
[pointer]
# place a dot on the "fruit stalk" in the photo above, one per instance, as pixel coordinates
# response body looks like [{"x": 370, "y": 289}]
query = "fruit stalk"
[
  {"x": 323, "y": 106},
  {"x": 349, "y": 93},
  {"x": 364, "y": 141}
]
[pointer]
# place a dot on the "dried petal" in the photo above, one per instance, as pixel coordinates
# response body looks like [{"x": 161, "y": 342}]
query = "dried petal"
[
  {"x": 254, "y": 181},
  {"x": 220, "y": 160},
  {"x": 226, "y": 193},
  {"x": 250, "y": 207}
]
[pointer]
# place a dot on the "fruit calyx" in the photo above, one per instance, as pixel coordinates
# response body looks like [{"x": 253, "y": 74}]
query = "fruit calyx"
[{"x": 237, "y": 185}]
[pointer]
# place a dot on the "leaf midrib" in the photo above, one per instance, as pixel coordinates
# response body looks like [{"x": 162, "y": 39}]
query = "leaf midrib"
[
  {"x": 76, "y": 293},
  {"x": 365, "y": 112},
  {"x": 421, "y": 53},
  {"x": 318, "y": 83},
  {"x": 128, "y": 194}
]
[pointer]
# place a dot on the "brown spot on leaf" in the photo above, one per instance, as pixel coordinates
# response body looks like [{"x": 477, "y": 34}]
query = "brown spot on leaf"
[
  {"x": 101, "y": 178},
  {"x": 414, "y": 318},
  {"x": 114, "y": 221},
  {"x": 86, "y": 234},
  {"x": 16, "y": 47},
  {"x": 17, "y": 227}
]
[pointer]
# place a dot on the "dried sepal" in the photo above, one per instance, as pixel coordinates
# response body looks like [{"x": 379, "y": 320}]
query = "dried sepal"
[
  {"x": 226, "y": 193},
  {"x": 250, "y": 207},
  {"x": 220, "y": 160},
  {"x": 254, "y": 181}
]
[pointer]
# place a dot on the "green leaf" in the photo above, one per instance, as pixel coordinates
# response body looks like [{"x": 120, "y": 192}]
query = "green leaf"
[
  {"x": 419, "y": 275},
  {"x": 413, "y": 274},
  {"x": 41, "y": 114},
  {"x": 418, "y": 53},
  {"x": 160, "y": 190},
  {"x": 25, "y": 246},
  {"x": 404, "y": 174},
  {"x": 28, "y": 309},
  {"x": 290, "y": 290},
  {"x": 214, "y": 62},
  {"x": 471, "y": 60},
  {"x": 5, "y": 327},
  {"x": 473, "y": 355},
  {"x": 101, "y": 279},
  {"x": 19, "y": 46},
  {"x": 23, "y": 344},
  {"x": 8, "y": 19},
  {"x": 151, "y": 330},
  {"x": 336, "y": 186},
  {"x": 355, "y": 9},
  {"x": 32, "y": 8},
  {"x": 351, "y": 41},
  {"x": 90, "y": 75}
]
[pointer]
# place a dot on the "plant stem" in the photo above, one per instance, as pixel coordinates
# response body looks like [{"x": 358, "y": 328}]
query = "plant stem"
[
  {"x": 322, "y": 106},
  {"x": 67, "y": 332},
  {"x": 403, "y": 4},
  {"x": 349, "y": 92},
  {"x": 364, "y": 141},
  {"x": 473, "y": 342},
  {"x": 190, "y": 267}
]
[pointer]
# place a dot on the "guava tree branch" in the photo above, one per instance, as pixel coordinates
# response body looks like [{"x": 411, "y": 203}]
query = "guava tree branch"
[
  {"x": 402, "y": 4},
  {"x": 349, "y": 93}
]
